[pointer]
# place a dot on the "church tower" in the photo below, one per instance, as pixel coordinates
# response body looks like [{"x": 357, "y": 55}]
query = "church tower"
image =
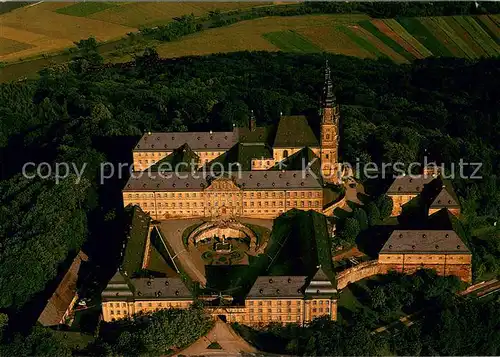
[{"x": 330, "y": 119}]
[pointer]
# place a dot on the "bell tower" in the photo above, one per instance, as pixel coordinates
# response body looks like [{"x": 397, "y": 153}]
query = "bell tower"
[{"x": 330, "y": 118}]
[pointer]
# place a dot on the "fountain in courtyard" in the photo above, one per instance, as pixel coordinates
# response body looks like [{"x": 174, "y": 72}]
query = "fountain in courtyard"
[{"x": 222, "y": 247}]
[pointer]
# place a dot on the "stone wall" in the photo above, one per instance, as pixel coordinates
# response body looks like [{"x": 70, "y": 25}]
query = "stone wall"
[
  {"x": 339, "y": 204},
  {"x": 228, "y": 230},
  {"x": 358, "y": 272}
]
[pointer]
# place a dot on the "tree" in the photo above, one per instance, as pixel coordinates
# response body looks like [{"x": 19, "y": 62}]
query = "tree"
[
  {"x": 360, "y": 215},
  {"x": 373, "y": 213},
  {"x": 377, "y": 297},
  {"x": 40, "y": 342},
  {"x": 87, "y": 55},
  {"x": 4, "y": 321},
  {"x": 350, "y": 230},
  {"x": 384, "y": 204}
]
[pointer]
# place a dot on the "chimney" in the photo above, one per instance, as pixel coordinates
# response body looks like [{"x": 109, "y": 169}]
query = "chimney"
[{"x": 252, "y": 122}]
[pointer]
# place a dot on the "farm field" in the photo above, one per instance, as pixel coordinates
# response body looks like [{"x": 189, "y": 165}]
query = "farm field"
[
  {"x": 158, "y": 13},
  {"x": 400, "y": 40},
  {"x": 49, "y": 27},
  {"x": 251, "y": 35},
  {"x": 291, "y": 41},
  {"x": 448, "y": 36}
]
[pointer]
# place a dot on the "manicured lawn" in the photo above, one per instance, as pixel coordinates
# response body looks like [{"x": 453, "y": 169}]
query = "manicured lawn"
[
  {"x": 262, "y": 233},
  {"x": 83, "y": 9},
  {"x": 10, "y": 46},
  {"x": 291, "y": 41},
  {"x": 75, "y": 340}
]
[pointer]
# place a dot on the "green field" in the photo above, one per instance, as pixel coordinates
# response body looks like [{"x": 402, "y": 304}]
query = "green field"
[
  {"x": 84, "y": 9},
  {"x": 290, "y": 41}
]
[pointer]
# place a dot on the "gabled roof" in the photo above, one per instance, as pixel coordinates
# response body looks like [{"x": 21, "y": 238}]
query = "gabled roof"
[
  {"x": 122, "y": 287},
  {"x": 247, "y": 180},
  {"x": 199, "y": 141},
  {"x": 160, "y": 288},
  {"x": 61, "y": 299},
  {"x": 445, "y": 198},
  {"x": 409, "y": 184},
  {"x": 183, "y": 154},
  {"x": 278, "y": 286},
  {"x": 320, "y": 285},
  {"x": 294, "y": 131},
  {"x": 136, "y": 241},
  {"x": 260, "y": 135},
  {"x": 242, "y": 154},
  {"x": 118, "y": 287},
  {"x": 425, "y": 241},
  {"x": 301, "y": 159}
]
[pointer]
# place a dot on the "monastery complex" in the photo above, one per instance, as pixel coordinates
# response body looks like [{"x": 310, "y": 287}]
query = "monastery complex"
[{"x": 187, "y": 218}]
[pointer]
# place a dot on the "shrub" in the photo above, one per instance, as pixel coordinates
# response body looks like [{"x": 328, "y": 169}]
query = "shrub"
[
  {"x": 350, "y": 230},
  {"x": 384, "y": 204},
  {"x": 373, "y": 213},
  {"x": 362, "y": 218}
]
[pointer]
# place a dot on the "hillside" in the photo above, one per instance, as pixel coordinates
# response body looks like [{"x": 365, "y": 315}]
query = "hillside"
[
  {"x": 48, "y": 26},
  {"x": 401, "y": 40}
]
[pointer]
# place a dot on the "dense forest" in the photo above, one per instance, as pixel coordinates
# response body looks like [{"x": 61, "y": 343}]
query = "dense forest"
[{"x": 87, "y": 112}]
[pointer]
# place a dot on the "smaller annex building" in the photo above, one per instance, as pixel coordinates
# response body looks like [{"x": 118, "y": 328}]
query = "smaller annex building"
[
  {"x": 440, "y": 249},
  {"x": 436, "y": 193}
]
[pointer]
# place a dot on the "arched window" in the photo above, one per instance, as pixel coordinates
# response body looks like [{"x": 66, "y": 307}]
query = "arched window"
[{"x": 285, "y": 154}]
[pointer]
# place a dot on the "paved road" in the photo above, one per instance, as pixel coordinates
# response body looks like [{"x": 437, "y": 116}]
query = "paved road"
[{"x": 191, "y": 262}]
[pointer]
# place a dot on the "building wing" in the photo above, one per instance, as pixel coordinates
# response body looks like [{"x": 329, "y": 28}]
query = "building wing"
[
  {"x": 278, "y": 287},
  {"x": 197, "y": 141},
  {"x": 425, "y": 241}
]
